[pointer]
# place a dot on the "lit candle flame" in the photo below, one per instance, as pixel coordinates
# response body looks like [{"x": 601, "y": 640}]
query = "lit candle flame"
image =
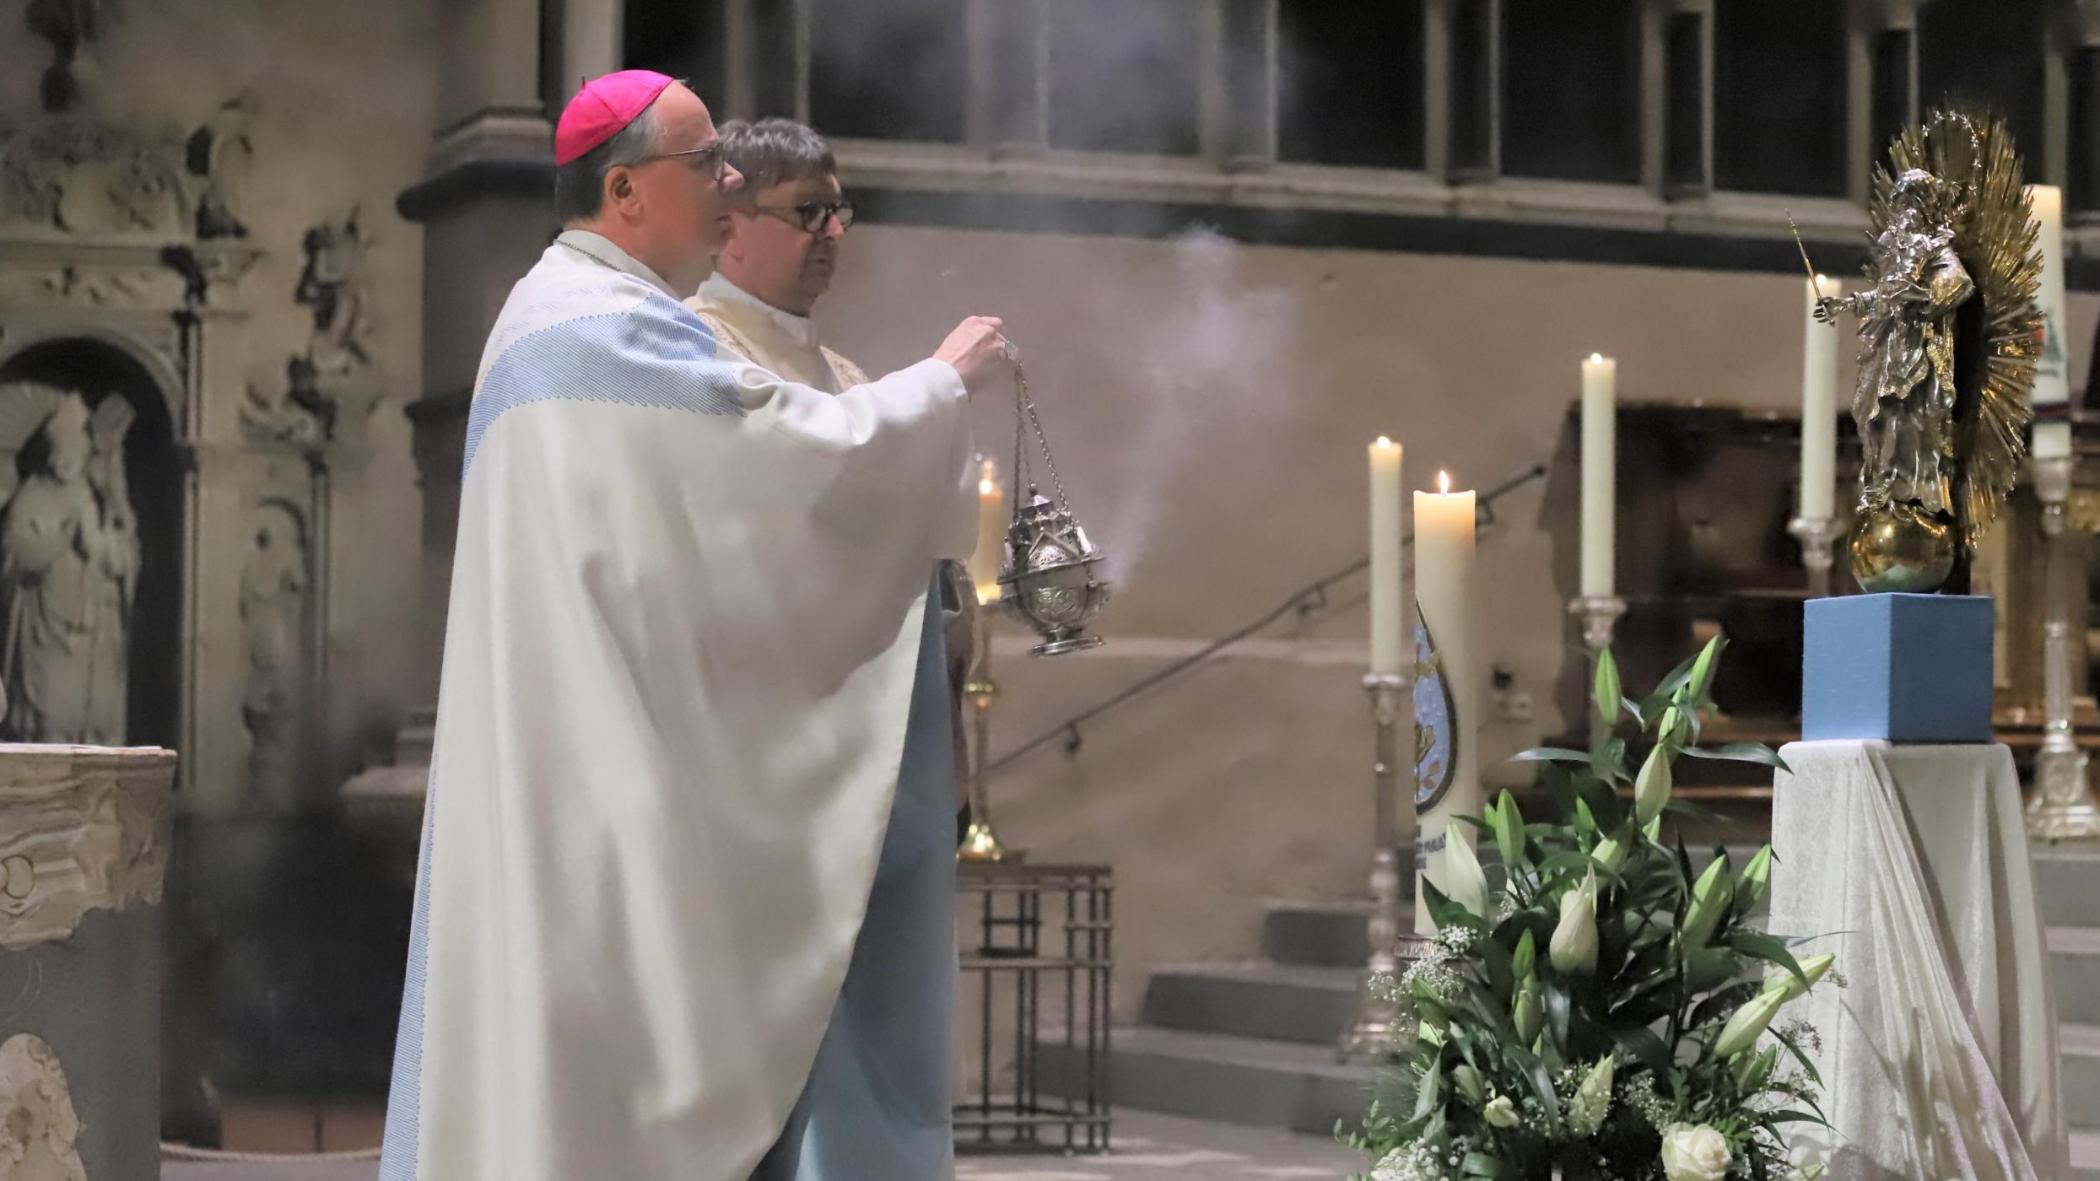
[
  {"x": 988, "y": 484},
  {"x": 1384, "y": 442},
  {"x": 1593, "y": 357},
  {"x": 1443, "y": 479}
]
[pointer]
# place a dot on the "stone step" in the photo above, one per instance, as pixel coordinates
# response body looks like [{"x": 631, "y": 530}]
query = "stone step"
[
  {"x": 2081, "y": 1078},
  {"x": 2074, "y": 959},
  {"x": 2085, "y": 1156},
  {"x": 1330, "y": 934},
  {"x": 1210, "y": 1076},
  {"x": 2067, "y": 877},
  {"x": 1277, "y": 1002}
]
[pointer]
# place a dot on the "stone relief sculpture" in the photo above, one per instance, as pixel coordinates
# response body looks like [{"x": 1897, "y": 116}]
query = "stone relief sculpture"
[
  {"x": 72, "y": 27},
  {"x": 39, "y": 1127},
  {"x": 69, "y": 560},
  {"x": 220, "y": 155},
  {"x": 334, "y": 286},
  {"x": 320, "y": 383},
  {"x": 273, "y": 612}
]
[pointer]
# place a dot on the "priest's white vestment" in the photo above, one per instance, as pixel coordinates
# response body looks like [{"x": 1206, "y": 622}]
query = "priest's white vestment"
[{"x": 686, "y": 623}]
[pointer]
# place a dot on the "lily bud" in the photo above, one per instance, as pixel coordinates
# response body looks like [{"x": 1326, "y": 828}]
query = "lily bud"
[
  {"x": 1467, "y": 1080},
  {"x": 1529, "y": 1011},
  {"x": 1812, "y": 969},
  {"x": 1592, "y": 1100},
  {"x": 1609, "y": 853},
  {"x": 1651, "y": 788},
  {"x": 1573, "y": 949},
  {"x": 1464, "y": 882},
  {"x": 1525, "y": 958},
  {"x": 1756, "y": 878},
  {"x": 1528, "y": 1014},
  {"x": 1710, "y": 898},
  {"x": 1751, "y": 1070},
  {"x": 1747, "y": 1023},
  {"x": 1500, "y": 1113}
]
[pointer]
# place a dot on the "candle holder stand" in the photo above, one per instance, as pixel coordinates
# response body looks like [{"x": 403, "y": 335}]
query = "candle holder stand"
[
  {"x": 2062, "y": 807},
  {"x": 1818, "y": 537},
  {"x": 1600, "y": 618},
  {"x": 980, "y": 843},
  {"x": 1372, "y": 1033}
]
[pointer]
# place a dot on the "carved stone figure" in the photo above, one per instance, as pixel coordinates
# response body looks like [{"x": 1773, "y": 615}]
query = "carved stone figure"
[
  {"x": 220, "y": 155},
  {"x": 334, "y": 286},
  {"x": 273, "y": 607},
  {"x": 39, "y": 1127},
  {"x": 69, "y": 560}
]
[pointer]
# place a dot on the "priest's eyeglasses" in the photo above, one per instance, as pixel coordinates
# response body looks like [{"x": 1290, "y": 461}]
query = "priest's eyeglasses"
[
  {"x": 709, "y": 160},
  {"x": 812, "y": 216}
]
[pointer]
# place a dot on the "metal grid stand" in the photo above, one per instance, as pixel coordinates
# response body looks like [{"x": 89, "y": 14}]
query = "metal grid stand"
[{"x": 1017, "y": 980}]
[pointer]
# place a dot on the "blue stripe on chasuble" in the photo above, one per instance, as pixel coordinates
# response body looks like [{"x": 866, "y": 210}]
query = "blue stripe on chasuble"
[
  {"x": 399, "y": 1151},
  {"x": 657, "y": 353}
]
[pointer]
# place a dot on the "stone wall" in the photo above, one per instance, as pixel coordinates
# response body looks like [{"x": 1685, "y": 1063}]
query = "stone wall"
[{"x": 300, "y": 545}]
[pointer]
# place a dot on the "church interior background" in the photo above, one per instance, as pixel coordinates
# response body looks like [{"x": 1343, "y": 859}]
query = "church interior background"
[{"x": 249, "y": 250}]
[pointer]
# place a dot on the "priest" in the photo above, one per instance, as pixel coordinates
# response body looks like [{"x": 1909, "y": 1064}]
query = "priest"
[
  {"x": 690, "y": 690},
  {"x": 787, "y": 221}
]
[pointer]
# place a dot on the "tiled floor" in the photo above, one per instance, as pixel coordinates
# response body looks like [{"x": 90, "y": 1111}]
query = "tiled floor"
[{"x": 1148, "y": 1148}]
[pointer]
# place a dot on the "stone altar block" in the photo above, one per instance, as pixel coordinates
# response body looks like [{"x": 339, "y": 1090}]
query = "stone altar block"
[{"x": 84, "y": 835}]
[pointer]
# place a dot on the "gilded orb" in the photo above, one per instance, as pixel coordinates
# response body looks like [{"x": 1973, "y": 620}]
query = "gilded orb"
[{"x": 1898, "y": 549}]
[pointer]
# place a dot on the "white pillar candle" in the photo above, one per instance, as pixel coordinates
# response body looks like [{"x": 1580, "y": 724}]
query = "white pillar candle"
[
  {"x": 2052, "y": 383},
  {"x": 1599, "y": 451},
  {"x": 991, "y": 534},
  {"x": 1388, "y": 613},
  {"x": 2052, "y": 439},
  {"x": 1444, "y": 595},
  {"x": 1819, "y": 369}
]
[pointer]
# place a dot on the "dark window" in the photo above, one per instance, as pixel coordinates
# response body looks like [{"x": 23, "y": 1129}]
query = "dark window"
[
  {"x": 1123, "y": 75},
  {"x": 1571, "y": 95},
  {"x": 1684, "y": 106},
  {"x": 684, "y": 40},
  {"x": 773, "y": 75},
  {"x": 1473, "y": 90},
  {"x": 2085, "y": 132},
  {"x": 1987, "y": 52},
  {"x": 1350, "y": 83},
  {"x": 1779, "y": 96},
  {"x": 1895, "y": 84},
  {"x": 892, "y": 70},
  {"x": 554, "y": 88}
]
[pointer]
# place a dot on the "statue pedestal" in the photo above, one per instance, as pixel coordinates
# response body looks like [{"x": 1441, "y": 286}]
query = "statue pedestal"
[
  {"x": 83, "y": 852},
  {"x": 1899, "y": 668}
]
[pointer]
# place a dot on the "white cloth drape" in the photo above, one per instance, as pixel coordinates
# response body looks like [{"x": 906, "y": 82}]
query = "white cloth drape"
[{"x": 1910, "y": 863}]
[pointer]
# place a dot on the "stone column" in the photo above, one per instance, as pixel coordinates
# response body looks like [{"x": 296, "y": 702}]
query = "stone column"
[
  {"x": 84, "y": 835},
  {"x": 486, "y": 207}
]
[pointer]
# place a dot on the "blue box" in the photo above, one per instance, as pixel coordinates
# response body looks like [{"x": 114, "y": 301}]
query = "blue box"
[{"x": 1905, "y": 668}]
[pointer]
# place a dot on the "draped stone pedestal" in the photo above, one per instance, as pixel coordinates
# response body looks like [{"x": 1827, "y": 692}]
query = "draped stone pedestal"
[{"x": 84, "y": 837}]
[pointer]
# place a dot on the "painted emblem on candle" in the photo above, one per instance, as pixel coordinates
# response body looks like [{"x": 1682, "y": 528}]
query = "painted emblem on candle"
[{"x": 1436, "y": 730}]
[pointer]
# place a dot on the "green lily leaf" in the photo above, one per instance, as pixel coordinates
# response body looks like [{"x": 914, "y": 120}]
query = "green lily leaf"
[
  {"x": 1738, "y": 752},
  {"x": 1550, "y": 754},
  {"x": 1644, "y": 1045}
]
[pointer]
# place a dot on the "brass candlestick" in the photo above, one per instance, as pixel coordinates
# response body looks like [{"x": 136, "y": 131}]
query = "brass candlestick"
[
  {"x": 2062, "y": 807},
  {"x": 980, "y": 842},
  {"x": 1377, "y": 1023},
  {"x": 1600, "y": 619},
  {"x": 1818, "y": 537}
]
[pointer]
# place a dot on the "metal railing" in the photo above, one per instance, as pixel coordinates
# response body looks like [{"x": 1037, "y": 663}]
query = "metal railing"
[{"x": 1305, "y": 601}]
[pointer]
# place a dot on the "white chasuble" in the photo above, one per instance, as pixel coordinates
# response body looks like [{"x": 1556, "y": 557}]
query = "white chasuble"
[{"x": 686, "y": 617}]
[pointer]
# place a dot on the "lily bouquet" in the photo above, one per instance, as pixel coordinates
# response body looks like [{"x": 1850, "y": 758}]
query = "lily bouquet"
[{"x": 1600, "y": 1010}]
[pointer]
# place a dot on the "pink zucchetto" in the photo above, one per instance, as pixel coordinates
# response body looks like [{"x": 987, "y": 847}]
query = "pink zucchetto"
[{"x": 602, "y": 108}]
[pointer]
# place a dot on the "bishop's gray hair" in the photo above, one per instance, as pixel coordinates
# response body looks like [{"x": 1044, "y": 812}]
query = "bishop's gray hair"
[
  {"x": 771, "y": 152},
  {"x": 579, "y": 185}
]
